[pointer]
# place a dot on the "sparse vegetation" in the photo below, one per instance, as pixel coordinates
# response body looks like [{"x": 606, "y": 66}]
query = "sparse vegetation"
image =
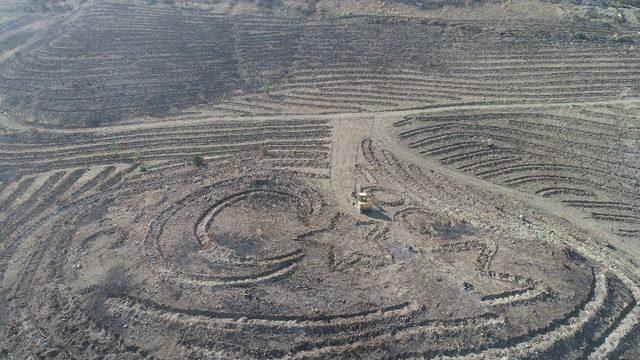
[
  {"x": 434, "y": 22},
  {"x": 48, "y": 6},
  {"x": 266, "y": 88},
  {"x": 41, "y": 5},
  {"x": 114, "y": 146},
  {"x": 306, "y": 9},
  {"x": 64, "y": 8},
  {"x": 626, "y": 38},
  {"x": 324, "y": 11},
  {"x": 136, "y": 156},
  {"x": 197, "y": 161},
  {"x": 93, "y": 120},
  {"x": 579, "y": 35},
  {"x": 269, "y": 4},
  {"x": 13, "y": 100}
]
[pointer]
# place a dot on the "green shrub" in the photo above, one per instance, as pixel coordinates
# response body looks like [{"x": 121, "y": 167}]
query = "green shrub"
[
  {"x": 635, "y": 3},
  {"x": 136, "y": 156},
  {"x": 40, "y": 5},
  {"x": 579, "y": 35},
  {"x": 62, "y": 8},
  {"x": 266, "y": 88},
  {"x": 113, "y": 145},
  {"x": 198, "y": 160},
  {"x": 13, "y": 100},
  {"x": 306, "y": 10},
  {"x": 434, "y": 22},
  {"x": 269, "y": 4},
  {"x": 623, "y": 38}
]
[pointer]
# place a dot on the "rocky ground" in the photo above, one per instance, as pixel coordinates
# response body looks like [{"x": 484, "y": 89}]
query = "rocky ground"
[{"x": 175, "y": 182}]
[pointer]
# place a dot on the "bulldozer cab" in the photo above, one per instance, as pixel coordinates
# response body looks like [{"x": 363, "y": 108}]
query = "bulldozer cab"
[{"x": 363, "y": 199}]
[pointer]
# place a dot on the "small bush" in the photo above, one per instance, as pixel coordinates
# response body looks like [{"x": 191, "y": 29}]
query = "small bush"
[
  {"x": 62, "y": 8},
  {"x": 306, "y": 10},
  {"x": 40, "y": 5},
  {"x": 266, "y": 88},
  {"x": 13, "y": 100},
  {"x": 92, "y": 122},
  {"x": 158, "y": 104},
  {"x": 433, "y": 22},
  {"x": 142, "y": 168},
  {"x": 198, "y": 160},
  {"x": 113, "y": 146},
  {"x": 593, "y": 13},
  {"x": 136, "y": 156},
  {"x": 264, "y": 151},
  {"x": 579, "y": 35},
  {"x": 269, "y": 4},
  {"x": 623, "y": 38}
]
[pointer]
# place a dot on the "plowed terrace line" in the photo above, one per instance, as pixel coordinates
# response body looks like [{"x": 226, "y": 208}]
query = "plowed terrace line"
[
  {"x": 7, "y": 123},
  {"x": 382, "y": 134}
]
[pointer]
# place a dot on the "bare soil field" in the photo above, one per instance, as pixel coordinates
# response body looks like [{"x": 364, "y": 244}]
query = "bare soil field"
[{"x": 176, "y": 180}]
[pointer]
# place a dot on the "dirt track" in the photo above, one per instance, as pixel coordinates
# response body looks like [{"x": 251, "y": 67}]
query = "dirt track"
[{"x": 522, "y": 253}]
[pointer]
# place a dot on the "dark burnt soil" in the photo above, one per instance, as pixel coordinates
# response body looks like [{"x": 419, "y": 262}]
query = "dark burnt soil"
[{"x": 101, "y": 67}]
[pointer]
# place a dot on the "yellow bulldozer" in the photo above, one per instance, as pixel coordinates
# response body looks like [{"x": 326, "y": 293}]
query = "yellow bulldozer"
[{"x": 363, "y": 199}]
